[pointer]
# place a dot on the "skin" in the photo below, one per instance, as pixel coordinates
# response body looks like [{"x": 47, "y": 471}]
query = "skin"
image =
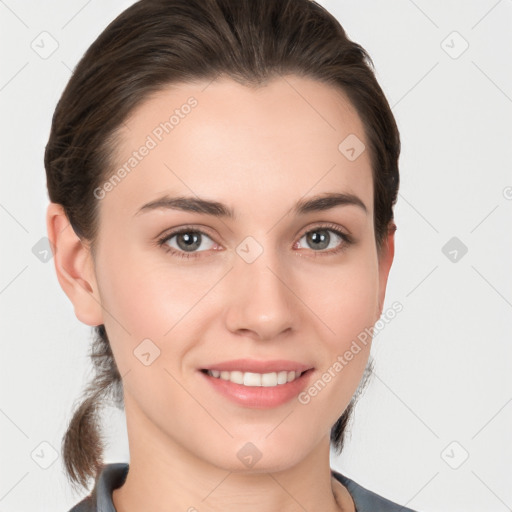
[{"x": 259, "y": 151}]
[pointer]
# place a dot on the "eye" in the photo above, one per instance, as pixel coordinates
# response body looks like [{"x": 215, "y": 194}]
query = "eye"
[
  {"x": 189, "y": 239},
  {"x": 186, "y": 243},
  {"x": 320, "y": 239}
]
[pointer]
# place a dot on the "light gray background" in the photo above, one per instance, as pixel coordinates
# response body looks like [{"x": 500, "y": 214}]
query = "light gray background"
[{"x": 442, "y": 389}]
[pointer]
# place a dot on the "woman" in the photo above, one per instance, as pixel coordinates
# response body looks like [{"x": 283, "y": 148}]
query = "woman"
[{"x": 201, "y": 152}]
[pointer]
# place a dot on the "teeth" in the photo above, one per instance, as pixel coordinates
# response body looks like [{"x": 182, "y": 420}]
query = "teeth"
[{"x": 256, "y": 379}]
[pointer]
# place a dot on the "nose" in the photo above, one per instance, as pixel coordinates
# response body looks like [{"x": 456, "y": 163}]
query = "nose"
[{"x": 262, "y": 303}]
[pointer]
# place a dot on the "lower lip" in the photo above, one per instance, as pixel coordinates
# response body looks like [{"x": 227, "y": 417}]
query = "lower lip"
[{"x": 259, "y": 397}]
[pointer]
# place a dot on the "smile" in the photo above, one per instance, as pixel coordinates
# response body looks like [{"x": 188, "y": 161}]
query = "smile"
[{"x": 257, "y": 390}]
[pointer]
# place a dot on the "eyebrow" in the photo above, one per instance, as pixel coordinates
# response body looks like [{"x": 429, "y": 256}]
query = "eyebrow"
[{"x": 195, "y": 204}]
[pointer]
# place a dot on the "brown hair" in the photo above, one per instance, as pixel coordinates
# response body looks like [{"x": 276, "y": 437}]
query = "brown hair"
[{"x": 152, "y": 44}]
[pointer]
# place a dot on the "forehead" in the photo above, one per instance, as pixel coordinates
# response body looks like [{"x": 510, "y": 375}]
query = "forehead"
[{"x": 226, "y": 140}]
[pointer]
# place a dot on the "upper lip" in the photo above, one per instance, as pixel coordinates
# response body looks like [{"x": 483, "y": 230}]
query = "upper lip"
[{"x": 252, "y": 365}]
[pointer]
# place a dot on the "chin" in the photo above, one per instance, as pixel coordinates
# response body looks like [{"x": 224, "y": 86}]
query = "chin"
[{"x": 258, "y": 456}]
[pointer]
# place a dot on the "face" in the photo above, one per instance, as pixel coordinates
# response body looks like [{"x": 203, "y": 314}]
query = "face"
[{"x": 272, "y": 282}]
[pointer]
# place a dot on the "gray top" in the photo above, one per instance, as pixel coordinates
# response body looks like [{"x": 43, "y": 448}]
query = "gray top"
[{"x": 114, "y": 475}]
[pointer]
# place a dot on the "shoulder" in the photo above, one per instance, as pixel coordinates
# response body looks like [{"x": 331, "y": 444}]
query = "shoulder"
[
  {"x": 366, "y": 500},
  {"x": 86, "y": 505},
  {"x": 111, "y": 477}
]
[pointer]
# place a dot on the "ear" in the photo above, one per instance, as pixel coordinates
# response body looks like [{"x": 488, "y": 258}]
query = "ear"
[
  {"x": 74, "y": 266},
  {"x": 386, "y": 256}
]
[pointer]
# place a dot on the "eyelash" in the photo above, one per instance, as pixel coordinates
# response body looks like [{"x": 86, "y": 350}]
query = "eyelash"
[{"x": 161, "y": 242}]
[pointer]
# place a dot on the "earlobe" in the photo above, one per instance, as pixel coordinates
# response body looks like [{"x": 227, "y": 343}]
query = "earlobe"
[
  {"x": 385, "y": 261},
  {"x": 74, "y": 266}
]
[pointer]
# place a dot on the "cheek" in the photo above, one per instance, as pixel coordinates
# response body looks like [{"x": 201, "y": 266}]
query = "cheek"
[
  {"x": 344, "y": 298},
  {"x": 148, "y": 296},
  {"x": 147, "y": 300},
  {"x": 346, "y": 308}
]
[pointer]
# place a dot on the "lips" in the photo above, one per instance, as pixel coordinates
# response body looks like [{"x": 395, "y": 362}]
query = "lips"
[{"x": 262, "y": 391}]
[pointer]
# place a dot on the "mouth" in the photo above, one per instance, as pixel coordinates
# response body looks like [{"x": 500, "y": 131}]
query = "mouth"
[{"x": 257, "y": 390}]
